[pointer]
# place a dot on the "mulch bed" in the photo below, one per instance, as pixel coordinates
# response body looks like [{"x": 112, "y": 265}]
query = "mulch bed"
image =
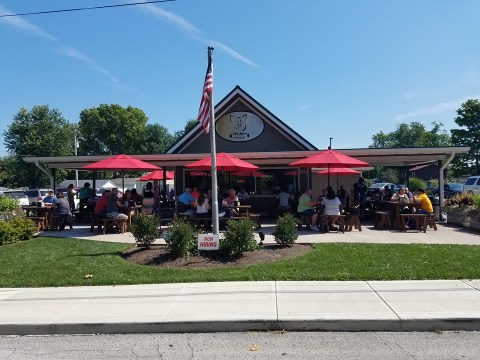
[{"x": 158, "y": 256}]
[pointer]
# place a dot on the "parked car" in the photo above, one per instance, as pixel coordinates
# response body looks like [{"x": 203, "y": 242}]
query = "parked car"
[
  {"x": 378, "y": 187},
  {"x": 36, "y": 196},
  {"x": 449, "y": 190},
  {"x": 18, "y": 195},
  {"x": 472, "y": 185}
]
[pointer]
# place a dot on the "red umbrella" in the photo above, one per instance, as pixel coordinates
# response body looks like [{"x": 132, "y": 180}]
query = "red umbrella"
[
  {"x": 121, "y": 162},
  {"x": 254, "y": 173},
  {"x": 157, "y": 175},
  {"x": 225, "y": 162},
  {"x": 197, "y": 173},
  {"x": 329, "y": 158}
]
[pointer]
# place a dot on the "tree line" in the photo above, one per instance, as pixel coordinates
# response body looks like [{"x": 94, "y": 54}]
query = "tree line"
[{"x": 112, "y": 129}]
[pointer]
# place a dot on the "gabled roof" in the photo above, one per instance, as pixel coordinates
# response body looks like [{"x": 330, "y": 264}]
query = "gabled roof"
[{"x": 238, "y": 94}]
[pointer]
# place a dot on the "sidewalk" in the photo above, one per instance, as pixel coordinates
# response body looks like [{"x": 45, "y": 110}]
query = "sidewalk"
[{"x": 243, "y": 306}]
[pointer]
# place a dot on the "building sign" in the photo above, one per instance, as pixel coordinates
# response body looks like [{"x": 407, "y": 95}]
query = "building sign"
[
  {"x": 208, "y": 242},
  {"x": 239, "y": 126}
]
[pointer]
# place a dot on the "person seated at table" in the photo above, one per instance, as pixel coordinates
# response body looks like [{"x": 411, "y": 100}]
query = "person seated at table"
[
  {"x": 101, "y": 204},
  {"x": 387, "y": 194},
  {"x": 127, "y": 199},
  {"x": 201, "y": 205},
  {"x": 306, "y": 207},
  {"x": 50, "y": 198},
  {"x": 229, "y": 202},
  {"x": 148, "y": 199},
  {"x": 62, "y": 209},
  {"x": 243, "y": 196},
  {"x": 425, "y": 203},
  {"x": 409, "y": 194},
  {"x": 401, "y": 197},
  {"x": 195, "y": 192},
  {"x": 83, "y": 195},
  {"x": 342, "y": 195},
  {"x": 114, "y": 205},
  {"x": 322, "y": 196},
  {"x": 136, "y": 198},
  {"x": 186, "y": 199},
  {"x": 331, "y": 205}
]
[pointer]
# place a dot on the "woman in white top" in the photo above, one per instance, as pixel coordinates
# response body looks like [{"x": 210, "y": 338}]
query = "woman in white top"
[
  {"x": 331, "y": 203},
  {"x": 201, "y": 205}
]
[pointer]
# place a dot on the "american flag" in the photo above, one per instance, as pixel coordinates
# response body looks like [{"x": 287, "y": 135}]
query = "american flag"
[{"x": 204, "y": 110}]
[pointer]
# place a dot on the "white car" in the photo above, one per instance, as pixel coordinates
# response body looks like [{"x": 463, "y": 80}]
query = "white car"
[
  {"x": 472, "y": 185},
  {"x": 19, "y": 195}
]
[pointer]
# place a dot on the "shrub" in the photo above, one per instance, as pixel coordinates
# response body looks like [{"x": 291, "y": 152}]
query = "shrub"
[
  {"x": 415, "y": 183},
  {"x": 181, "y": 240},
  {"x": 238, "y": 237},
  {"x": 8, "y": 207},
  {"x": 18, "y": 229},
  {"x": 145, "y": 229},
  {"x": 285, "y": 232}
]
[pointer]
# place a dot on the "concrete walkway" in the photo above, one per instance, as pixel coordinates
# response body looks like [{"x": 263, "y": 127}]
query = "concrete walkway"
[{"x": 242, "y": 306}]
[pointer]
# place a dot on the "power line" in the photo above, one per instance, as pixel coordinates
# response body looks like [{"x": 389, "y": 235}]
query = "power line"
[{"x": 84, "y": 8}]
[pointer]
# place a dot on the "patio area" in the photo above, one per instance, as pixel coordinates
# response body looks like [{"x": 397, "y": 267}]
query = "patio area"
[{"x": 446, "y": 234}]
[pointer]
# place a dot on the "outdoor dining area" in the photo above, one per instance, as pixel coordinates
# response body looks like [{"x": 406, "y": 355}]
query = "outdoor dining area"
[{"x": 348, "y": 215}]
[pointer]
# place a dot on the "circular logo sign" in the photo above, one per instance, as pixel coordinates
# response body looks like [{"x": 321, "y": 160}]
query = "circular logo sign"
[{"x": 239, "y": 126}]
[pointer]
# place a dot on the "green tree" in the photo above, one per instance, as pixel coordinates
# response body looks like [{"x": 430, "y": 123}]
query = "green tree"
[
  {"x": 158, "y": 139},
  {"x": 189, "y": 125},
  {"x": 468, "y": 120},
  {"x": 112, "y": 129},
  {"x": 39, "y": 132},
  {"x": 412, "y": 135}
]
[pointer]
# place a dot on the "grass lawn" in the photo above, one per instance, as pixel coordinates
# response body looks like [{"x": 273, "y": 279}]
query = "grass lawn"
[{"x": 65, "y": 262}]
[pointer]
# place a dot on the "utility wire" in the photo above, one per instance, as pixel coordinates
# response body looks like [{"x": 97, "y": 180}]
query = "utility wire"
[{"x": 84, "y": 8}]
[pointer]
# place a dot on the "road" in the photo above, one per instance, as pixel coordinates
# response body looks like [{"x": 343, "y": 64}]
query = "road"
[{"x": 248, "y": 345}]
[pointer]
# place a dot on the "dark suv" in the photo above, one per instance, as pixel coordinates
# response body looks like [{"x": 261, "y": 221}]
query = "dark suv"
[{"x": 449, "y": 190}]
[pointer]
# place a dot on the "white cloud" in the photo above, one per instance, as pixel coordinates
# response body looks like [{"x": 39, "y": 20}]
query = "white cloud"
[
  {"x": 410, "y": 94},
  {"x": 433, "y": 109},
  {"x": 192, "y": 31},
  {"x": 304, "y": 107},
  {"x": 23, "y": 24},
  {"x": 70, "y": 52}
]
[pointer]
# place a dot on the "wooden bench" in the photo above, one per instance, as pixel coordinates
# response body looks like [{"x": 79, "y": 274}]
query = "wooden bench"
[
  {"x": 304, "y": 219},
  {"x": 39, "y": 221},
  {"x": 430, "y": 221},
  {"x": 57, "y": 222},
  {"x": 383, "y": 219},
  {"x": 97, "y": 220},
  {"x": 329, "y": 220},
  {"x": 256, "y": 220},
  {"x": 420, "y": 221},
  {"x": 109, "y": 223},
  {"x": 351, "y": 221}
]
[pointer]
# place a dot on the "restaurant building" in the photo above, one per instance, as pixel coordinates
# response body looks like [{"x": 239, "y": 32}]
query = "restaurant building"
[{"x": 247, "y": 129}]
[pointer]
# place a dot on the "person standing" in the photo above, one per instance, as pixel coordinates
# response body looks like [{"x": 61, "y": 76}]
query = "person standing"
[
  {"x": 83, "y": 195},
  {"x": 71, "y": 197}
]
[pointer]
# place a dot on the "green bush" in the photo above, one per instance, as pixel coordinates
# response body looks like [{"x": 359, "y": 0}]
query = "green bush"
[
  {"x": 415, "y": 183},
  {"x": 7, "y": 204},
  {"x": 238, "y": 237},
  {"x": 17, "y": 229},
  {"x": 145, "y": 229},
  {"x": 285, "y": 232},
  {"x": 181, "y": 240}
]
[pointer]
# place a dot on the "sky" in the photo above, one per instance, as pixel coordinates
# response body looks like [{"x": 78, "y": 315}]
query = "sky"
[{"x": 345, "y": 69}]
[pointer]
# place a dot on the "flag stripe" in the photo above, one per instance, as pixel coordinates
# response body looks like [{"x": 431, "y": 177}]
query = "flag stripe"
[{"x": 204, "y": 110}]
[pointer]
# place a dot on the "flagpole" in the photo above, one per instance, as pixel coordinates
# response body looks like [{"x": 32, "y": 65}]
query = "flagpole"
[{"x": 213, "y": 153}]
